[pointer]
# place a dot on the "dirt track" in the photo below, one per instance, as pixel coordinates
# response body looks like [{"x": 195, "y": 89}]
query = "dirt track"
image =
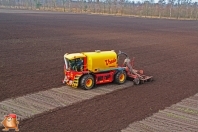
[{"x": 32, "y": 49}]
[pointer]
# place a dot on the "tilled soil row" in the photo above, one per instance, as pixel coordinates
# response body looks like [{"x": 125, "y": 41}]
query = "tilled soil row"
[
  {"x": 33, "y": 104},
  {"x": 182, "y": 116}
]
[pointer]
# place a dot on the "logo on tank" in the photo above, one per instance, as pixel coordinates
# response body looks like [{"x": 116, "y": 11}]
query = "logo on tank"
[{"x": 110, "y": 61}]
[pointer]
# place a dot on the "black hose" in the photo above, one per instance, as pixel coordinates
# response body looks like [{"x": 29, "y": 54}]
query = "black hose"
[{"x": 120, "y": 52}]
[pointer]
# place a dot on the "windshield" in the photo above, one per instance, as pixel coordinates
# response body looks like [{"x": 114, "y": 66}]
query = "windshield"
[{"x": 74, "y": 64}]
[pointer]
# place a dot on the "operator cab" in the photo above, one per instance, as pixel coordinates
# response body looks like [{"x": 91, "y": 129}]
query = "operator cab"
[
  {"x": 74, "y": 64},
  {"x": 74, "y": 61}
]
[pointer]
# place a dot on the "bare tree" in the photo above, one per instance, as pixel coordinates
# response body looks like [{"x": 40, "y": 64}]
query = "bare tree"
[
  {"x": 109, "y": 3},
  {"x": 64, "y": 4},
  {"x": 146, "y": 8},
  {"x": 178, "y": 8},
  {"x": 114, "y": 6},
  {"x": 54, "y": 4},
  {"x": 196, "y": 10},
  {"x": 161, "y": 4},
  {"x": 188, "y": 3},
  {"x": 171, "y": 3},
  {"x": 122, "y": 6},
  {"x": 151, "y": 8},
  {"x": 132, "y": 7}
]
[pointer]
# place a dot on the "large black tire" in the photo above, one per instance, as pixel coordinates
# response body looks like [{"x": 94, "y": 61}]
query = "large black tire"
[
  {"x": 87, "y": 82},
  {"x": 120, "y": 77}
]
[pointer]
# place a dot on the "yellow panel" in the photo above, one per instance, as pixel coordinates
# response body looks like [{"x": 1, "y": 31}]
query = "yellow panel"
[{"x": 74, "y": 55}]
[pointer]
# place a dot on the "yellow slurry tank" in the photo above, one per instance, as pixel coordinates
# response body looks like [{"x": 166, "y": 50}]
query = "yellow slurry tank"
[{"x": 101, "y": 60}]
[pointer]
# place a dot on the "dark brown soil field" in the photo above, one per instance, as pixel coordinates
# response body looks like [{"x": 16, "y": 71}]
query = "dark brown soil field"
[{"x": 32, "y": 46}]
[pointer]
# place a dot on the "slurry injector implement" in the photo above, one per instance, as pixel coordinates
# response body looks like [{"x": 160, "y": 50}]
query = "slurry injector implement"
[{"x": 88, "y": 69}]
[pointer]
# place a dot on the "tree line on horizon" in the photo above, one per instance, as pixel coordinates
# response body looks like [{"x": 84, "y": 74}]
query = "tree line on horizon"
[{"x": 173, "y": 9}]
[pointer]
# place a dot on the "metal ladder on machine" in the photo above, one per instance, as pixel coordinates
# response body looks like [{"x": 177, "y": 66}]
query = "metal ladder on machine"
[{"x": 76, "y": 80}]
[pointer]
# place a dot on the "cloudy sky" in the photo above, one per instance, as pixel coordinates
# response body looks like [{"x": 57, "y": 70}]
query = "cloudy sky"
[{"x": 158, "y": 0}]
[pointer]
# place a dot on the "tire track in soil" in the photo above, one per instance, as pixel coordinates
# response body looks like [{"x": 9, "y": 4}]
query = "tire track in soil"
[
  {"x": 182, "y": 116},
  {"x": 44, "y": 101}
]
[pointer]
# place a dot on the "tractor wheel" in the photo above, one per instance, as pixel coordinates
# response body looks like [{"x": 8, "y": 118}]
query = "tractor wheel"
[
  {"x": 87, "y": 82},
  {"x": 120, "y": 77},
  {"x": 136, "y": 81},
  {"x": 150, "y": 79},
  {"x": 141, "y": 81}
]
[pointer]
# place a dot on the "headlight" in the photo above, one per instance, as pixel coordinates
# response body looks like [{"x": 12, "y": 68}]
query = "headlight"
[{"x": 70, "y": 82}]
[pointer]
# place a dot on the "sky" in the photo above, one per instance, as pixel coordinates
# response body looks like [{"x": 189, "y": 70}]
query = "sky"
[{"x": 165, "y": 0}]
